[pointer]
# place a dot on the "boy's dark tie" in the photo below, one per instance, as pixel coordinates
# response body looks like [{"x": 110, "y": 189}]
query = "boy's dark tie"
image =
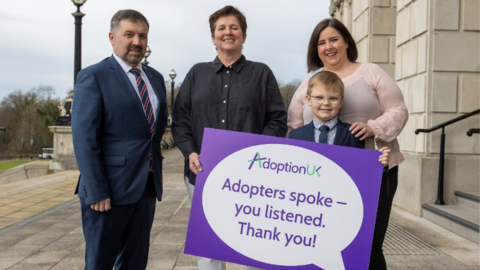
[{"x": 323, "y": 134}]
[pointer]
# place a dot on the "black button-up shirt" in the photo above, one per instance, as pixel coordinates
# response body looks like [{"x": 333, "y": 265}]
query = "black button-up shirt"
[{"x": 241, "y": 97}]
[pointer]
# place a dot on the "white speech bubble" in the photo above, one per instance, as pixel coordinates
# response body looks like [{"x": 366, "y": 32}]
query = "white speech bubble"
[{"x": 321, "y": 244}]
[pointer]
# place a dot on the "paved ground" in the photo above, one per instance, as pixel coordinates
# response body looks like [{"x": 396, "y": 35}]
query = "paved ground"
[
  {"x": 40, "y": 228},
  {"x": 24, "y": 199}
]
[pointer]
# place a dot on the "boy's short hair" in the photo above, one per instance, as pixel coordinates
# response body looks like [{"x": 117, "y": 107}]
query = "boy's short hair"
[{"x": 328, "y": 79}]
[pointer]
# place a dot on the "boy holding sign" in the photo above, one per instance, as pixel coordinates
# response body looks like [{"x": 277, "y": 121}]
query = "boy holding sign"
[
  {"x": 251, "y": 212},
  {"x": 325, "y": 97}
]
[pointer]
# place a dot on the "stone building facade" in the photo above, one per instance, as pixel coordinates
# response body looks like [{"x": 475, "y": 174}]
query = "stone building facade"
[
  {"x": 432, "y": 49},
  {"x": 373, "y": 28}
]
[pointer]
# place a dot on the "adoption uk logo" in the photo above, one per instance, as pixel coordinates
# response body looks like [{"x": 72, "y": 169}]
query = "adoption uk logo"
[{"x": 266, "y": 163}]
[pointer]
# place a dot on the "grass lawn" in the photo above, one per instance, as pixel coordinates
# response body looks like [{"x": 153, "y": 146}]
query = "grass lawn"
[{"x": 11, "y": 164}]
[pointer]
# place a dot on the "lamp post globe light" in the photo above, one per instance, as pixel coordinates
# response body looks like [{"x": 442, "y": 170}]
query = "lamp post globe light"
[
  {"x": 147, "y": 54},
  {"x": 172, "y": 75},
  {"x": 78, "y": 39}
]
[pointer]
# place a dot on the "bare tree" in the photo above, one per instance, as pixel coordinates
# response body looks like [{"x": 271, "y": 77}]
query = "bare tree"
[
  {"x": 288, "y": 90},
  {"x": 27, "y": 116}
]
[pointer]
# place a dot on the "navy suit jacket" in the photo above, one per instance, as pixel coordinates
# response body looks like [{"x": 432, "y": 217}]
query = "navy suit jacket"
[
  {"x": 111, "y": 136},
  {"x": 343, "y": 136}
]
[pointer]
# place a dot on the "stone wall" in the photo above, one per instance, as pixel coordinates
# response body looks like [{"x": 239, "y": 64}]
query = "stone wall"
[
  {"x": 418, "y": 179},
  {"x": 432, "y": 49},
  {"x": 411, "y": 70},
  {"x": 373, "y": 26},
  {"x": 24, "y": 172},
  {"x": 438, "y": 65},
  {"x": 383, "y": 32},
  {"x": 438, "y": 70}
]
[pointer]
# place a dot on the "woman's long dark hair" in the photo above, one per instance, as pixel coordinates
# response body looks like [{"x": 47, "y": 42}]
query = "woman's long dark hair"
[{"x": 313, "y": 60}]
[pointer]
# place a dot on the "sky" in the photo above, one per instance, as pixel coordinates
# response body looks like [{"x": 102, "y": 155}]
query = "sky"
[{"x": 38, "y": 37}]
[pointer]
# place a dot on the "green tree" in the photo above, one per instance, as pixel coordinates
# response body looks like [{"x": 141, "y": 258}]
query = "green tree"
[{"x": 49, "y": 112}]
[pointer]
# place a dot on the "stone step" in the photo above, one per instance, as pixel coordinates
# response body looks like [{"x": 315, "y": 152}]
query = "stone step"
[
  {"x": 459, "y": 219},
  {"x": 468, "y": 199}
]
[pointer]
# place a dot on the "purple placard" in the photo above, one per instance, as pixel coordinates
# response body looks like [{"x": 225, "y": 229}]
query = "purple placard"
[{"x": 342, "y": 173}]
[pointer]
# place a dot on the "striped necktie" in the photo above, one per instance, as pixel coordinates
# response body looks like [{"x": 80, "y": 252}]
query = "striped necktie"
[{"x": 147, "y": 106}]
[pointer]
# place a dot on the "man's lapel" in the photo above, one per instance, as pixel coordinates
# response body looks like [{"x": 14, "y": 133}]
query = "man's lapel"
[
  {"x": 341, "y": 133},
  {"x": 127, "y": 87}
]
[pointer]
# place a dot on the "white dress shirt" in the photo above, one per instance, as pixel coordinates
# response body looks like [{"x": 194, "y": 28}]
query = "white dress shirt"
[{"x": 131, "y": 77}]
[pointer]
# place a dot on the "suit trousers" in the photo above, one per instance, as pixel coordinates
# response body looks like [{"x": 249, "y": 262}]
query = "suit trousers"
[
  {"x": 207, "y": 263},
  {"x": 119, "y": 237},
  {"x": 387, "y": 192}
]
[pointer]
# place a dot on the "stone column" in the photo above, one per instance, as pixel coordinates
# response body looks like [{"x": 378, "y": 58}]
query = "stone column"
[
  {"x": 342, "y": 11},
  {"x": 438, "y": 70},
  {"x": 63, "y": 154},
  {"x": 373, "y": 26},
  {"x": 383, "y": 32}
]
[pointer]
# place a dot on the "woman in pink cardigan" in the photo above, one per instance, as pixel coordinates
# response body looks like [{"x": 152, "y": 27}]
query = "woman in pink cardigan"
[{"x": 372, "y": 102}]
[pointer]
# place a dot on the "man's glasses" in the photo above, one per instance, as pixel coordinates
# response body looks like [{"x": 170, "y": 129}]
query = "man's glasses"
[{"x": 321, "y": 99}]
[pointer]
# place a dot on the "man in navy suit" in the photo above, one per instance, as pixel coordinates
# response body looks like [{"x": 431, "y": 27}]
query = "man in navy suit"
[
  {"x": 118, "y": 119},
  {"x": 325, "y": 97}
]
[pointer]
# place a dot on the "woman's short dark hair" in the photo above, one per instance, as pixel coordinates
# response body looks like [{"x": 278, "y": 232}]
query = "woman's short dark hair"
[
  {"x": 225, "y": 11},
  {"x": 313, "y": 60}
]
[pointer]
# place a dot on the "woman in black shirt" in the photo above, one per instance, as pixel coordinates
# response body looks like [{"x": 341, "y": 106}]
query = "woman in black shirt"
[{"x": 230, "y": 93}]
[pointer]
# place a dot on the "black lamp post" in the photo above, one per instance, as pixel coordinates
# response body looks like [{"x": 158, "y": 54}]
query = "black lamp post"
[
  {"x": 172, "y": 75},
  {"x": 147, "y": 54},
  {"x": 78, "y": 39}
]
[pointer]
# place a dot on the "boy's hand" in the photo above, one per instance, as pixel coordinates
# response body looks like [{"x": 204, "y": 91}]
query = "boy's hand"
[
  {"x": 361, "y": 130},
  {"x": 385, "y": 157},
  {"x": 194, "y": 163}
]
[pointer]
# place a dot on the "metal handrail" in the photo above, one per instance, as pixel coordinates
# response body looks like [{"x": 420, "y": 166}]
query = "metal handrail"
[
  {"x": 441, "y": 165},
  {"x": 472, "y": 130},
  {"x": 447, "y": 123}
]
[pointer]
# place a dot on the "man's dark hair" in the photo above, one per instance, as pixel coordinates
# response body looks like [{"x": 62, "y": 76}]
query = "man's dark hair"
[
  {"x": 225, "y": 11},
  {"x": 313, "y": 60},
  {"x": 126, "y": 14}
]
